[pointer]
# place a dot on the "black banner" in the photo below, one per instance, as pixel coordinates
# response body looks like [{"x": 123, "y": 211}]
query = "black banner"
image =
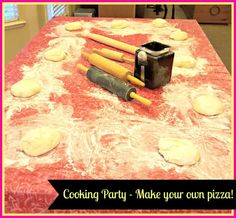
[{"x": 144, "y": 194}]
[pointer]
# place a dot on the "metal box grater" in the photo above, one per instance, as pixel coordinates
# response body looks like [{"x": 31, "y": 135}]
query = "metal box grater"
[{"x": 154, "y": 64}]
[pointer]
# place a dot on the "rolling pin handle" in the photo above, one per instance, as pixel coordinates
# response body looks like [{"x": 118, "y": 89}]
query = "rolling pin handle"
[
  {"x": 82, "y": 67},
  {"x": 95, "y": 50},
  {"x": 128, "y": 60},
  {"x": 141, "y": 99},
  {"x": 135, "y": 81},
  {"x": 85, "y": 55}
]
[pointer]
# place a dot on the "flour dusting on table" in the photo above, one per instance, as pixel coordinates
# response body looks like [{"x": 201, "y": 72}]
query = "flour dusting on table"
[
  {"x": 46, "y": 73},
  {"x": 59, "y": 118},
  {"x": 134, "y": 27},
  {"x": 60, "y": 31}
]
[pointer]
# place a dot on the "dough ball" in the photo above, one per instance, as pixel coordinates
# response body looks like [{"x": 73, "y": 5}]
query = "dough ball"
[
  {"x": 184, "y": 61},
  {"x": 179, "y": 35},
  {"x": 119, "y": 24},
  {"x": 55, "y": 54},
  {"x": 25, "y": 88},
  {"x": 160, "y": 23},
  {"x": 40, "y": 141},
  {"x": 178, "y": 151},
  {"x": 73, "y": 26},
  {"x": 208, "y": 105}
]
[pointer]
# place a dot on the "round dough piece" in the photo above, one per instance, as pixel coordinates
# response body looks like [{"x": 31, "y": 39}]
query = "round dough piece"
[
  {"x": 160, "y": 23},
  {"x": 208, "y": 105},
  {"x": 73, "y": 26},
  {"x": 40, "y": 141},
  {"x": 178, "y": 151},
  {"x": 55, "y": 54},
  {"x": 179, "y": 35},
  {"x": 119, "y": 24},
  {"x": 184, "y": 62},
  {"x": 25, "y": 88}
]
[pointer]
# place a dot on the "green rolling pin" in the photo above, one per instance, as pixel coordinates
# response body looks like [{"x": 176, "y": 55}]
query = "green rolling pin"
[{"x": 112, "y": 84}]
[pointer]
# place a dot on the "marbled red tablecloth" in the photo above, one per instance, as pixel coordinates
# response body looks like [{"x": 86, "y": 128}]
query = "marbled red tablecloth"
[{"x": 104, "y": 137}]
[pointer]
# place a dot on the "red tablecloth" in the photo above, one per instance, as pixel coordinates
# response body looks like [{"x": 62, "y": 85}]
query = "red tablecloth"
[{"x": 104, "y": 137}]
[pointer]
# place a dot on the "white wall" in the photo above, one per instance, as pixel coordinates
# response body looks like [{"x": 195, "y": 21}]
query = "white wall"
[{"x": 16, "y": 37}]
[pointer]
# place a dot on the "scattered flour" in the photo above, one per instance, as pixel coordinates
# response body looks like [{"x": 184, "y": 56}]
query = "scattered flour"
[
  {"x": 99, "y": 148},
  {"x": 134, "y": 27},
  {"x": 198, "y": 69},
  {"x": 104, "y": 145},
  {"x": 183, "y": 48},
  {"x": 180, "y": 96},
  {"x": 46, "y": 75},
  {"x": 60, "y": 31},
  {"x": 15, "y": 157},
  {"x": 72, "y": 46}
]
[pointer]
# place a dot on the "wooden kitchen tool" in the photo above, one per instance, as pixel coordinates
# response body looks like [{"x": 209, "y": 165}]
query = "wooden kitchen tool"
[
  {"x": 112, "y": 84},
  {"x": 113, "y": 43},
  {"x": 112, "y": 68},
  {"x": 114, "y": 55}
]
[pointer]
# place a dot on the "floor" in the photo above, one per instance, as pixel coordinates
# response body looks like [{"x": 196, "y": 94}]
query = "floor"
[{"x": 218, "y": 34}]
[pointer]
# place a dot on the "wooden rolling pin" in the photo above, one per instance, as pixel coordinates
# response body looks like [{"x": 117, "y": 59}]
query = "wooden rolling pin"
[
  {"x": 112, "y": 68},
  {"x": 114, "y": 55},
  {"x": 113, "y": 43},
  {"x": 112, "y": 84}
]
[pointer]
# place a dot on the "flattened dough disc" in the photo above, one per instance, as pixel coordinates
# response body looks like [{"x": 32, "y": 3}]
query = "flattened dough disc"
[
  {"x": 179, "y": 35},
  {"x": 184, "y": 62},
  {"x": 160, "y": 23},
  {"x": 208, "y": 105},
  {"x": 25, "y": 88},
  {"x": 119, "y": 24},
  {"x": 55, "y": 54},
  {"x": 73, "y": 26},
  {"x": 178, "y": 151},
  {"x": 40, "y": 141}
]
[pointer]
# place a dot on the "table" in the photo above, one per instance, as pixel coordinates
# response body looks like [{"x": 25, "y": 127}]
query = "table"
[{"x": 104, "y": 137}]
